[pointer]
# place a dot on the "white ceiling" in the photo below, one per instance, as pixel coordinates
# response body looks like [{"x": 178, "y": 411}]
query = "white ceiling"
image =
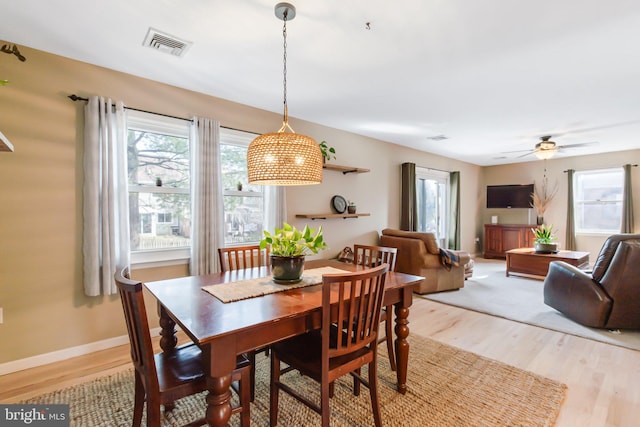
[{"x": 492, "y": 76}]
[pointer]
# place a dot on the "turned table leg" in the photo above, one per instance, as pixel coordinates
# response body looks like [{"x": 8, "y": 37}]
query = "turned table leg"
[
  {"x": 402, "y": 346},
  {"x": 168, "y": 331}
]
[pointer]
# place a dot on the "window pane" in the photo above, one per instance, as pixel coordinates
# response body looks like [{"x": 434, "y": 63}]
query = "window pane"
[
  {"x": 155, "y": 156},
  {"x": 427, "y": 198},
  {"x": 242, "y": 219},
  {"x": 599, "y": 216},
  {"x": 431, "y": 195},
  {"x": 159, "y": 221},
  {"x": 234, "y": 168},
  {"x": 598, "y": 200}
]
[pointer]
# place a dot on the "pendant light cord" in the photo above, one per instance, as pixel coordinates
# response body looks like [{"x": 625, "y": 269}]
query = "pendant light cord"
[{"x": 284, "y": 68}]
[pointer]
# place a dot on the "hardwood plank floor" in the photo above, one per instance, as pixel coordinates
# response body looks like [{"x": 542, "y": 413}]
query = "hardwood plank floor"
[{"x": 603, "y": 380}]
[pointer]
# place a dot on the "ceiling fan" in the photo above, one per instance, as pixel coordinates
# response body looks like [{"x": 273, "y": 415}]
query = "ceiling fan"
[{"x": 545, "y": 149}]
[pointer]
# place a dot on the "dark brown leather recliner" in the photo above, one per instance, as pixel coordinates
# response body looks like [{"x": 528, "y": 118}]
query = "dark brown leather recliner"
[{"x": 609, "y": 297}]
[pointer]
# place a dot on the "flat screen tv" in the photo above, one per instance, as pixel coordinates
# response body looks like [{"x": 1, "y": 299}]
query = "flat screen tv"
[{"x": 509, "y": 196}]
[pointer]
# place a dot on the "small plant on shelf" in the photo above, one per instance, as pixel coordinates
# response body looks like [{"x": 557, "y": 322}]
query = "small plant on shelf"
[
  {"x": 351, "y": 207},
  {"x": 327, "y": 152}
]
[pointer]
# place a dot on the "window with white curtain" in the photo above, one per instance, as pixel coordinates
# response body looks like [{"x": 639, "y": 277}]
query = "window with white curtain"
[
  {"x": 158, "y": 166},
  {"x": 159, "y": 189},
  {"x": 598, "y": 200},
  {"x": 432, "y": 198},
  {"x": 243, "y": 203}
]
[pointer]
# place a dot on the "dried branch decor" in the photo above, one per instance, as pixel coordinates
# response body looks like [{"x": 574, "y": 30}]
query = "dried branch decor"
[{"x": 542, "y": 196}]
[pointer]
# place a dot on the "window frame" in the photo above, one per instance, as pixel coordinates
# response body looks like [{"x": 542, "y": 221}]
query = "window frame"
[
  {"x": 580, "y": 230},
  {"x": 442, "y": 178},
  {"x": 149, "y": 122},
  {"x": 240, "y": 138}
]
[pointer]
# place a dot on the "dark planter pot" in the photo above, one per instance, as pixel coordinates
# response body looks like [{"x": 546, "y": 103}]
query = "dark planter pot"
[
  {"x": 287, "y": 269},
  {"x": 545, "y": 248},
  {"x": 351, "y": 209}
]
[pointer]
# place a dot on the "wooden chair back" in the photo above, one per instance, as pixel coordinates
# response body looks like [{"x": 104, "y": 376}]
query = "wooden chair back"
[
  {"x": 359, "y": 301},
  {"x": 135, "y": 314},
  {"x": 240, "y": 257},
  {"x": 373, "y": 256}
]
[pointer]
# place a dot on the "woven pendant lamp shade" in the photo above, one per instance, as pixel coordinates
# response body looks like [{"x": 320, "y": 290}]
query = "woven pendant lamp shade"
[{"x": 282, "y": 158}]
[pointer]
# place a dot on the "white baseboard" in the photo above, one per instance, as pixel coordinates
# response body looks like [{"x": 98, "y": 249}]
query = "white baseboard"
[{"x": 67, "y": 353}]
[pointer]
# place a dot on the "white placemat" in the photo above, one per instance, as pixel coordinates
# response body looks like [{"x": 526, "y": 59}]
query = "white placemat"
[{"x": 243, "y": 289}]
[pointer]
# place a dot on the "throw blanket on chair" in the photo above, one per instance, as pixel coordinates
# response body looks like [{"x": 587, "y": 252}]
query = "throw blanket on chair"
[{"x": 449, "y": 258}]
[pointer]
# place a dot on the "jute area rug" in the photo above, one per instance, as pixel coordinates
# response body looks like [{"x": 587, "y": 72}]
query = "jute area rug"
[
  {"x": 517, "y": 298},
  {"x": 447, "y": 387}
]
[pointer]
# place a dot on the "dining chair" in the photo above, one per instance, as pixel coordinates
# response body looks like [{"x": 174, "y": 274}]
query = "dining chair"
[
  {"x": 326, "y": 354},
  {"x": 238, "y": 258},
  {"x": 372, "y": 256},
  {"x": 162, "y": 378}
]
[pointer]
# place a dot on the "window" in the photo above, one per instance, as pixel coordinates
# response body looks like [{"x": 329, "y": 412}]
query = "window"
[
  {"x": 158, "y": 163},
  {"x": 598, "y": 200},
  {"x": 243, "y": 203},
  {"x": 432, "y": 196}
]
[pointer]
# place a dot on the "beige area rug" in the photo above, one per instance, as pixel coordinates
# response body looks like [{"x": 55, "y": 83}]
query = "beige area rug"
[
  {"x": 447, "y": 387},
  {"x": 517, "y": 298}
]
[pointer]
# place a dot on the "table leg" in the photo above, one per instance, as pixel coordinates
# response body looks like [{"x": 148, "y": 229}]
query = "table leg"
[
  {"x": 219, "y": 401},
  {"x": 218, "y": 370},
  {"x": 168, "y": 330},
  {"x": 402, "y": 346}
]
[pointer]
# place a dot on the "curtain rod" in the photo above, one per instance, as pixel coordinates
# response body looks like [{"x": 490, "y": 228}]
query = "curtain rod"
[
  {"x": 634, "y": 166},
  {"x": 75, "y": 97}
]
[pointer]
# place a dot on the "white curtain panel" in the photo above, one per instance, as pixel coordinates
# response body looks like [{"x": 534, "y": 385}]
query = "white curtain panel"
[
  {"x": 275, "y": 207},
  {"x": 105, "y": 210},
  {"x": 206, "y": 197}
]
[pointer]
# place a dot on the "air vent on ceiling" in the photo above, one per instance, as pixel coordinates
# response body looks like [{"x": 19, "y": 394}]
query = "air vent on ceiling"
[{"x": 166, "y": 43}]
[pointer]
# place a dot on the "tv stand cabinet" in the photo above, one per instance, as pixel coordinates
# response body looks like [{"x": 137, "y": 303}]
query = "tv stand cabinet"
[{"x": 500, "y": 238}]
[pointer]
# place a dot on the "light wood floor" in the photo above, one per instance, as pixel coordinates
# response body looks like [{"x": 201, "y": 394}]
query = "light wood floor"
[{"x": 603, "y": 380}]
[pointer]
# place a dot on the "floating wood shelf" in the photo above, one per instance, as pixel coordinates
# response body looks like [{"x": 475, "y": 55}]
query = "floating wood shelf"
[
  {"x": 331, "y": 215},
  {"x": 344, "y": 169}
]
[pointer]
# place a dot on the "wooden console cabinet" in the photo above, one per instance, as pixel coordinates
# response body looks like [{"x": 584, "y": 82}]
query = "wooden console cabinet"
[{"x": 500, "y": 238}]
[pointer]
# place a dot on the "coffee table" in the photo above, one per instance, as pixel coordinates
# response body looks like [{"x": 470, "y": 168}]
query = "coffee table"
[{"x": 526, "y": 261}]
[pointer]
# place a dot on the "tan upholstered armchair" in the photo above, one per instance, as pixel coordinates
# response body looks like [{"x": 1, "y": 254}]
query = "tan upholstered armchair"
[
  {"x": 609, "y": 297},
  {"x": 419, "y": 254}
]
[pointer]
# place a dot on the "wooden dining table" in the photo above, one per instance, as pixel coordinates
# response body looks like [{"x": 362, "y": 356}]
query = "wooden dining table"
[{"x": 224, "y": 330}]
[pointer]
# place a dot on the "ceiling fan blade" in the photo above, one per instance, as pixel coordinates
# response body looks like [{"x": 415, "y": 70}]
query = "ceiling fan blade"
[
  {"x": 517, "y": 151},
  {"x": 524, "y": 155},
  {"x": 584, "y": 144}
]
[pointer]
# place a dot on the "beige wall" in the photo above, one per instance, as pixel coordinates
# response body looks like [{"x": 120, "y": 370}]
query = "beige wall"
[
  {"x": 526, "y": 173},
  {"x": 41, "y": 188}
]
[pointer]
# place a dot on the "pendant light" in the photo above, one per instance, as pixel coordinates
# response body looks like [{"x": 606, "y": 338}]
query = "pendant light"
[{"x": 284, "y": 157}]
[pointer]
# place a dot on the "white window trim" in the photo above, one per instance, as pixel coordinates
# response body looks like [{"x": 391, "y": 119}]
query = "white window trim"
[
  {"x": 138, "y": 120},
  {"x": 427, "y": 173},
  {"x": 585, "y": 231},
  {"x": 241, "y": 139}
]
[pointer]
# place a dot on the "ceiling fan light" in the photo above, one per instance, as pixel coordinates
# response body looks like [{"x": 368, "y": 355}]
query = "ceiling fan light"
[{"x": 544, "y": 154}]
